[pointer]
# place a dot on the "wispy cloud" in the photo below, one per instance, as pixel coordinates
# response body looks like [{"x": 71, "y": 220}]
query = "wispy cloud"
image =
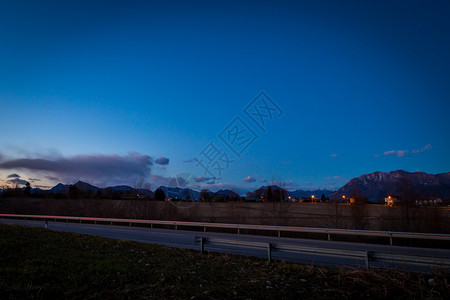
[
  {"x": 203, "y": 179},
  {"x": 427, "y": 147},
  {"x": 249, "y": 179},
  {"x": 334, "y": 155},
  {"x": 403, "y": 153},
  {"x": 286, "y": 162},
  {"x": 13, "y": 176}
]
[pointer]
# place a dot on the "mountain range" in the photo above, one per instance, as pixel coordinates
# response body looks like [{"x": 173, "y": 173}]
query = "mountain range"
[
  {"x": 378, "y": 185},
  {"x": 375, "y": 186}
]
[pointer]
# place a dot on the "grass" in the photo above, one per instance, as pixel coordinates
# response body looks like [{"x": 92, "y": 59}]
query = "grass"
[{"x": 42, "y": 264}]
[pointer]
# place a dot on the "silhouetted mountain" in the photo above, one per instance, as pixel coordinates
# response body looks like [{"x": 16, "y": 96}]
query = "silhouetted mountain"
[
  {"x": 60, "y": 189},
  {"x": 64, "y": 188},
  {"x": 83, "y": 186},
  {"x": 376, "y": 186},
  {"x": 228, "y": 194},
  {"x": 120, "y": 188},
  {"x": 278, "y": 193},
  {"x": 308, "y": 193},
  {"x": 180, "y": 193}
]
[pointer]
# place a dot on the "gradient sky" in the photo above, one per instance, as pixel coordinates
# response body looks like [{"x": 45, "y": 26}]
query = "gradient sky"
[{"x": 114, "y": 92}]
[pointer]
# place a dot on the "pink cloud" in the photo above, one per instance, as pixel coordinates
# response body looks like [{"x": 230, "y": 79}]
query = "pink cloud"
[{"x": 249, "y": 179}]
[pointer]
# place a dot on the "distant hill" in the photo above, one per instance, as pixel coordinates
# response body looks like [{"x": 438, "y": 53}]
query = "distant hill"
[
  {"x": 180, "y": 193},
  {"x": 229, "y": 194},
  {"x": 64, "y": 188},
  {"x": 378, "y": 185}
]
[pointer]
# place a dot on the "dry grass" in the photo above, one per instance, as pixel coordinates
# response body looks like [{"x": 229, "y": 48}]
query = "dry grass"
[{"x": 43, "y": 264}]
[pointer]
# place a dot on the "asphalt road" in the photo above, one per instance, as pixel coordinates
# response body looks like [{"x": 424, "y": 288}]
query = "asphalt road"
[{"x": 186, "y": 239}]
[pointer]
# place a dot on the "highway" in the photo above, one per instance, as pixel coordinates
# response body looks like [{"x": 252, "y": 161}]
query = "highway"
[{"x": 186, "y": 239}]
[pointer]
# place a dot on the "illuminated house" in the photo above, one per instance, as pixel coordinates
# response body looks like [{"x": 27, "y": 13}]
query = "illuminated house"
[{"x": 391, "y": 200}]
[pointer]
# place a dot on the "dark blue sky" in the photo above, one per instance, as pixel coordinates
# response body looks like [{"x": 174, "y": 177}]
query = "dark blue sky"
[{"x": 112, "y": 86}]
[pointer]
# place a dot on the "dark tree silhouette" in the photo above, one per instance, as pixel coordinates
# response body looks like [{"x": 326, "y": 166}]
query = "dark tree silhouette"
[
  {"x": 159, "y": 195},
  {"x": 27, "y": 190},
  {"x": 204, "y": 195}
]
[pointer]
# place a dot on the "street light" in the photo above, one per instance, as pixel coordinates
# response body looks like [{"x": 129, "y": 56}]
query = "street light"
[{"x": 312, "y": 197}]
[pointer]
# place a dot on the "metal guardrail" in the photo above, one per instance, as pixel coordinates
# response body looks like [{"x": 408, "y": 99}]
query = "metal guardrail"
[
  {"x": 238, "y": 227},
  {"x": 369, "y": 257}
]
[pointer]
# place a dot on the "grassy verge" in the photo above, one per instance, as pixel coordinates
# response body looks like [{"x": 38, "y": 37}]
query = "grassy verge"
[{"x": 43, "y": 264}]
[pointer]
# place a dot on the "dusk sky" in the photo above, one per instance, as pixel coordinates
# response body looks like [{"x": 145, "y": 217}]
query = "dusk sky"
[{"x": 303, "y": 94}]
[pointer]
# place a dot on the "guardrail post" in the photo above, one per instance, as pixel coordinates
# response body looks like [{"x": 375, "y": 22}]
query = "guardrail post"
[
  {"x": 202, "y": 244},
  {"x": 390, "y": 239},
  {"x": 239, "y": 231},
  {"x": 367, "y": 259},
  {"x": 269, "y": 252},
  {"x": 279, "y": 234},
  {"x": 46, "y": 224},
  {"x": 329, "y": 236}
]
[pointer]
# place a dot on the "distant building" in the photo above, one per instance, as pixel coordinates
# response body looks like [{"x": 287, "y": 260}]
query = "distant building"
[
  {"x": 429, "y": 202},
  {"x": 391, "y": 201}
]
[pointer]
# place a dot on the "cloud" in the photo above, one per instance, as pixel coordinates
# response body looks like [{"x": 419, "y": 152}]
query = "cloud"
[
  {"x": 110, "y": 168},
  {"x": 263, "y": 180},
  {"x": 15, "y": 181},
  {"x": 13, "y": 176},
  {"x": 334, "y": 155},
  {"x": 398, "y": 153},
  {"x": 34, "y": 179},
  {"x": 162, "y": 161},
  {"x": 403, "y": 153},
  {"x": 308, "y": 183},
  {"x": 249, "y": 179},
  {"x": 286, "y": 162},
  {"x": 427, "y": 147},
  {"x": 204, "y": 179}
]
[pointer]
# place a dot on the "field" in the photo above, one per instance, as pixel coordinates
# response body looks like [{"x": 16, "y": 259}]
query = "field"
[
  {"x": 368, "y": 217},
  {"x": 41, "y": 264}
]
